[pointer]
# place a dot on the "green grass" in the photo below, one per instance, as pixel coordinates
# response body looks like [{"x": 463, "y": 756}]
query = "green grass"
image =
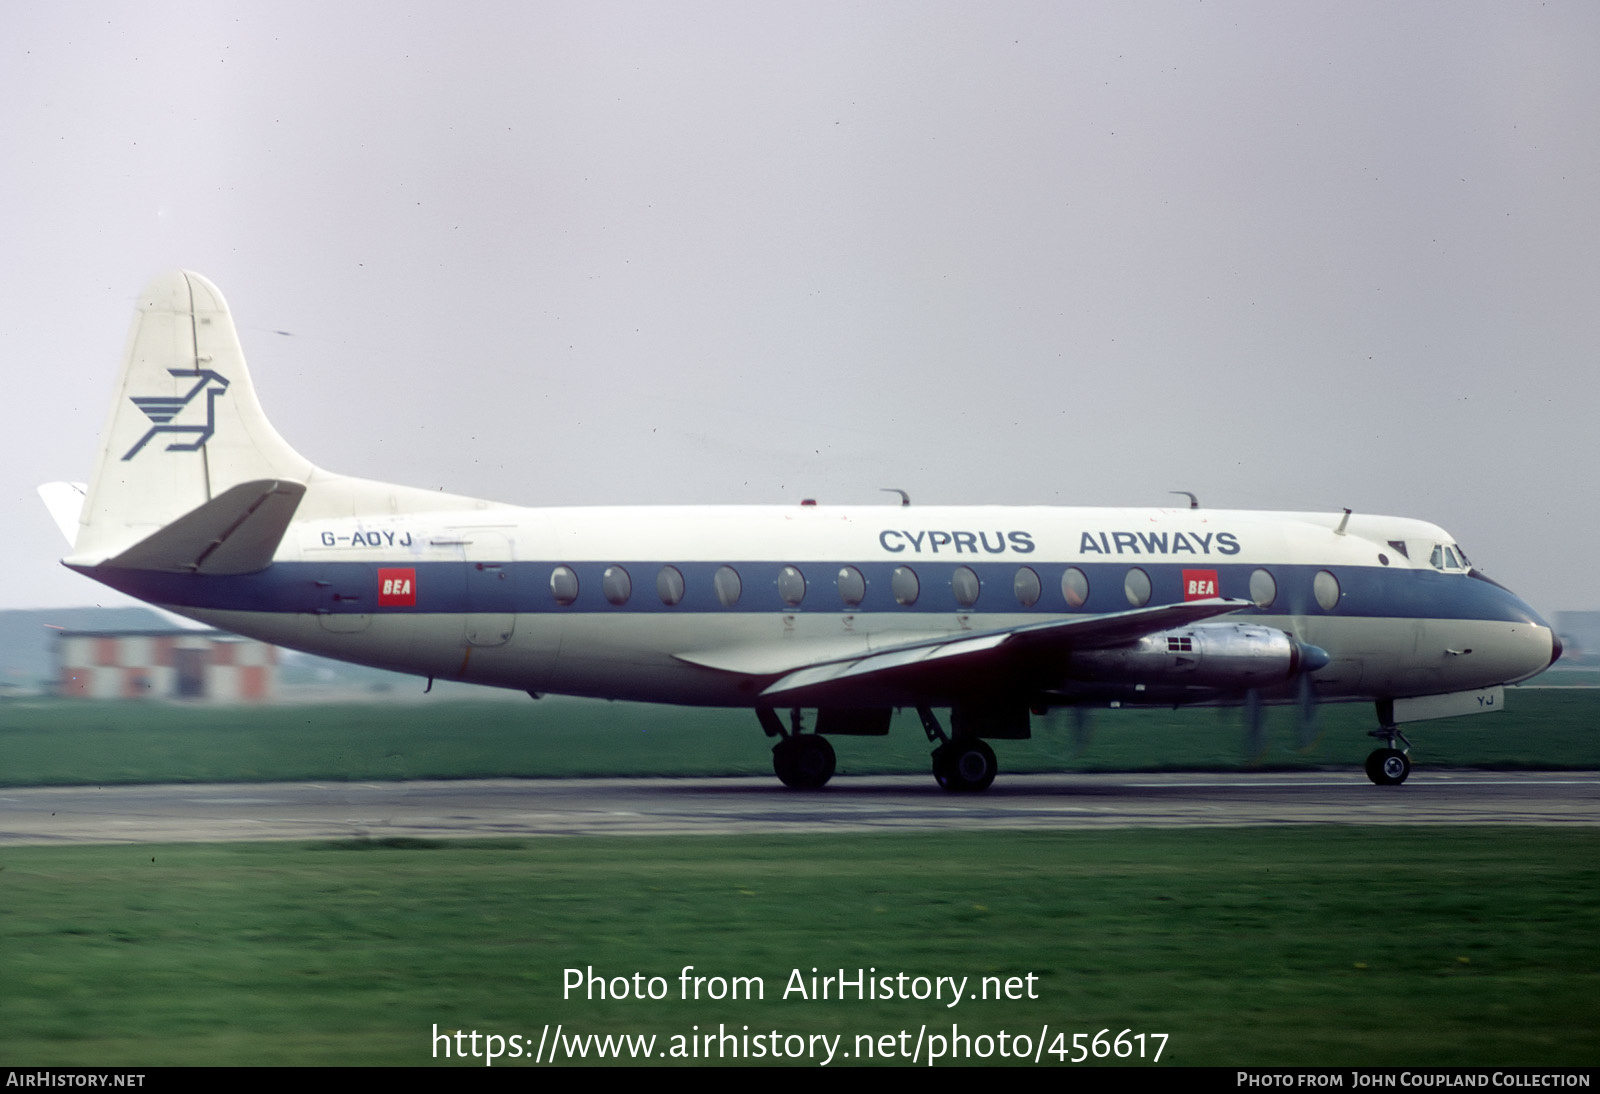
[
  {"x": 67, "y": 742},
  {"x": 1248, "y": 946},
  {"x": 1566, "y": 678}
]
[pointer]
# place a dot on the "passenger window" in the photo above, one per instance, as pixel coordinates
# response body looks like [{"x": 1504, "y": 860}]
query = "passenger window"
[
  {"x": 1326, "y": 589},
  {"x": 1137, "y": 587},
  {"x": 1263, "y": 588},
  {"x": 669, "y": 585},
  {"x": 564, "y": 585},
  {"x": 1075, "y": 587},
  {"x": 905, "y": 586},
  {"x": 1026, "y": 586},
  {"x": 616, "y": 585},
  {"x": 726, "y": 582},
  {"x": 964, "y": 583},
  {"x": 852, "y": 587},
  {"x": 791, "y": 586}
]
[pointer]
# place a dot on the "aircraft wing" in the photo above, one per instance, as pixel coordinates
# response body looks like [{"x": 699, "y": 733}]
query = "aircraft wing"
[{"x": 821, "y": 672}]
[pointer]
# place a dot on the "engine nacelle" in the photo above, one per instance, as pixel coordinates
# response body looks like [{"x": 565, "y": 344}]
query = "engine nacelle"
[{"x": 1206, "y": 655}]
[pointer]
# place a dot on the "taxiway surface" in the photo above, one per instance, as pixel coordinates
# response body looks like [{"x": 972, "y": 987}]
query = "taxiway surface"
[{"x": 576, "y": 807}]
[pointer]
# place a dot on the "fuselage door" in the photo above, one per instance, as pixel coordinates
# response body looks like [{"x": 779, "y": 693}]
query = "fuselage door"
[{"x": 491, "y": 587}]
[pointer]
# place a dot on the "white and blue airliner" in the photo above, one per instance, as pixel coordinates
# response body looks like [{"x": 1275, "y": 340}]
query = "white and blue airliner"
[{"x": 995, "y": 614}]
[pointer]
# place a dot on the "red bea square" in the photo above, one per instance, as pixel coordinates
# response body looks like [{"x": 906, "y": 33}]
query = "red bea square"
[
  {"x": 397, "y": 588},
  {"x": 1199, "y": 584}
]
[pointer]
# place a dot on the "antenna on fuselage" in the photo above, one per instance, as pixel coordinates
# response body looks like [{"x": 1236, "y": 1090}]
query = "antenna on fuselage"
[
  {"x": 905, "y": 498},
  {"x": 1194, "y": 502},
  {"x": 1339, "y": 531}
]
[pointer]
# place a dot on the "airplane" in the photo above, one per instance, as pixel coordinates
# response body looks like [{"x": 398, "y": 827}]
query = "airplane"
[{"x": 997, "y": 614}]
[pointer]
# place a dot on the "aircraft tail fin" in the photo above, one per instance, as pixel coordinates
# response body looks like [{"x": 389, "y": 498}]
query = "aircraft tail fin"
[{"x": 186, "y": 434}]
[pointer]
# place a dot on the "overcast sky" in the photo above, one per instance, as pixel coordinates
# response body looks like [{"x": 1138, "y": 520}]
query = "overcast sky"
[{"x": 1297, "y": 256}]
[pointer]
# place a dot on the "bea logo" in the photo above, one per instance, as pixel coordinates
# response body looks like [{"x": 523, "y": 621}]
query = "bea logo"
[
  {"x": 1199, "y": 584},
  {"x": 397, "y": 588}
]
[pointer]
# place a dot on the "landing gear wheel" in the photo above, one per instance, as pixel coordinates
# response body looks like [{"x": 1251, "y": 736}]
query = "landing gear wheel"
[
  {"x": 1388, "y": 767},
  {"x": 964, "y": 765},
  {"x": 783, "y": 761},
  {"x": 804, "y": 762}
]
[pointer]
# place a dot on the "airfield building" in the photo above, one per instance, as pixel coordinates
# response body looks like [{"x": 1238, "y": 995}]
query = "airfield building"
[{"x": 209, "y": 666}]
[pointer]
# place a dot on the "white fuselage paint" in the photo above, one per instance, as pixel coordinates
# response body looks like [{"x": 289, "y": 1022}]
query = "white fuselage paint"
[{"x": 637, "y": 650}]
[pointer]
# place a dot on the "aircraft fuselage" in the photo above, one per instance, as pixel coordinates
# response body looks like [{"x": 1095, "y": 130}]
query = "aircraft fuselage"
[
  {"x": 615, "y": 602},
  {"x": 198, "y": 505}
]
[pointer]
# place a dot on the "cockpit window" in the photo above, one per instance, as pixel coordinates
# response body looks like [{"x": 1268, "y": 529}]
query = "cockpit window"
[{"x": 1448, "y": 557}]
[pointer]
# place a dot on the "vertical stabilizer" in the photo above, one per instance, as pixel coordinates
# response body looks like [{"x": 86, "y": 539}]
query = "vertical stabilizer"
[{"x": 185, "y": 425}]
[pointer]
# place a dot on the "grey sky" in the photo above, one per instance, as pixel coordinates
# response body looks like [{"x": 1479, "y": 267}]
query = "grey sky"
[{"x": 1283, "y": 255}]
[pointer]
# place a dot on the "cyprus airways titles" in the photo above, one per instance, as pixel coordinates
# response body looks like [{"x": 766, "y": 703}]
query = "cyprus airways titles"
[
  {"x": 1105, "y": 543},
  {"x": 822, "y": 620}
]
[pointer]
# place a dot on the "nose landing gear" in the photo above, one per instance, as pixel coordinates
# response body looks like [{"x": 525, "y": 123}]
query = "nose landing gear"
[{"x": 1388, "y": 766}]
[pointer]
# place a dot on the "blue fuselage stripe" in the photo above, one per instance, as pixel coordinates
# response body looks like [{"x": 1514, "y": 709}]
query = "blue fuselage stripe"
[{"x": 524, "y": 588}]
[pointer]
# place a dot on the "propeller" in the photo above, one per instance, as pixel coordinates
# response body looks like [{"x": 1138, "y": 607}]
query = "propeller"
[
  {"x": 1306, "y": 734},
  {"x": 1255, "y": 728},
  {"x": 1256, "y": 742},
  {"x": 1082, "y": 731}
]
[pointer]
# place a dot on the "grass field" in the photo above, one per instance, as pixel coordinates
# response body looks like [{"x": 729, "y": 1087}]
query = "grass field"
[
  {"x": 1246, "y": 946},
  {"x": 62, "y": 742}
]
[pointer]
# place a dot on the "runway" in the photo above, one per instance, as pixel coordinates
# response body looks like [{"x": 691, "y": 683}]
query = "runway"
[{"x": 635, "y": 807}]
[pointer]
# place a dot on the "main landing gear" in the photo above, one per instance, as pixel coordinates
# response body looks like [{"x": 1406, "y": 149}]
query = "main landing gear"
[
  {"x": 805, "y": 761},
  {"x": 960, "y": 764},
  {"x": 1388, "y": 766},
  {"x": 802, "y": 761}
]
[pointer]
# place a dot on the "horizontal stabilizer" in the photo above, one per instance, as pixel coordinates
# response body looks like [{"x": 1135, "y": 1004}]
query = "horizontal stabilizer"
[
  {"x": 65, "y": 502},
  {"x": 235, "y": 533}
]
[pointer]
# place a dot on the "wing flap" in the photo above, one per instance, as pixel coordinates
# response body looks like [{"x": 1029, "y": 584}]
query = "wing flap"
[
  {"x": 774, "y": 658},
  {"x": 883, "y": 662},
  {"x": 957, "y": 653},
  {"x": 1120, "y": 628}
]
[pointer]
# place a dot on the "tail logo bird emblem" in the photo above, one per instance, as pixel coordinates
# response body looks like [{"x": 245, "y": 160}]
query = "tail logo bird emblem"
[{"x": 162, "y": 409}]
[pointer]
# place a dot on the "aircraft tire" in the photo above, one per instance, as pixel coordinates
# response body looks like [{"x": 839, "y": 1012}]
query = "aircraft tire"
[
  {"x": 783, "y": 761},
  {"x": 804, "y": 762},
  {"x": 1388, "y": 767},
  {"x": 965, "y": 765}
]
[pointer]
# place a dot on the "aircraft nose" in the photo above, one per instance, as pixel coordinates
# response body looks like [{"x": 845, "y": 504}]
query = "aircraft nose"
[{"x": 1555, "y": 647}]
